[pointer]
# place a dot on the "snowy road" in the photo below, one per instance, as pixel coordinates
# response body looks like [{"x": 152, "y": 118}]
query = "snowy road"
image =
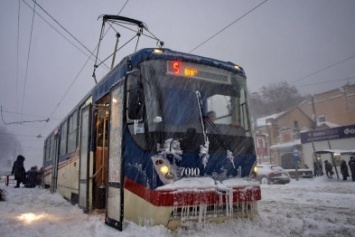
[
  {"x": 314, "y": 207},
  {"x": 326, "y": 208}
]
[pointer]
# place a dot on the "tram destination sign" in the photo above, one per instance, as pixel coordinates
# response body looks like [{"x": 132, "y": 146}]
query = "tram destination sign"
[
  {"x": 198, "y": 71},
  {"x": 328, "y": 134}
]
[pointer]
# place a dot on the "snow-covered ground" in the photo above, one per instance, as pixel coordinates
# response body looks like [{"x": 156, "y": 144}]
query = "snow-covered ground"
[{"x": 308, "y": 207}]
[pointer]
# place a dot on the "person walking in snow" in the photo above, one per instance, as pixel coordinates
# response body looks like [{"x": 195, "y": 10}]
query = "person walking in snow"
[
  {"x": 352, "y": 167},
  {"x": 344, "y": 170},
  {"x": 328, "y": 169},
  {"x": 18, "y": 170}
]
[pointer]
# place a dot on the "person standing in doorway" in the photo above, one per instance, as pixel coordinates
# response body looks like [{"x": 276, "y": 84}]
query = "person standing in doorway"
[
  {"x": 18, "y": 170},
  {"x": 352, "y": 167}
]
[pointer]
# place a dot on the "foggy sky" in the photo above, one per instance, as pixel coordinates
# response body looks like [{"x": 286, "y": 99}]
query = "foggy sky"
[{"x": 278, "y": 41}]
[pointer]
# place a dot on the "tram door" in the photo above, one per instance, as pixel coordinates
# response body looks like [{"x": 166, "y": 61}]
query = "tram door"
[
  {"x": 99, "y": 178},
  {"x": 54, "y": 151},
  {"x": 114, "y": 195},
  {"x": 84, "y": 158}
]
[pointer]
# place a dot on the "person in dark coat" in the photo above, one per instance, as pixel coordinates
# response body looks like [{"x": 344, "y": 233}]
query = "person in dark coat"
[
  {"x": 328, "y": 169},
  {"x": 40, "y": 176},
  {"x": 2, "y": 195},
  {"x": 31, "y": 178},
  {"x": 352, "y": 167},
  {"x": 18, "y": 170},
  {"x": 344, "y": 170}
]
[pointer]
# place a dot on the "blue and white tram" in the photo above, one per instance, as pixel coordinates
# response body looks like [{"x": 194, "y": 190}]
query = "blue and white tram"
[{"x": 141, "y": 146}]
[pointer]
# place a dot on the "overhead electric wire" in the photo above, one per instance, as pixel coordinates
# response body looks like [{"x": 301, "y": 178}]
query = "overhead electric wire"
[
  {"x": 17, "y": 51},
  {"x": 82, "y": 68},
  {"x": 317, "y": 83},
  {"x": 61, "y": 26},
  {"x": 77, "y": 76},
  {"x": 89, "y": 56},
  {"x": 124, "y": 5},
  {"x": 66, "y": 92},
  {"x": 28, "y": 59},
  {"x": 204, "y": 42},
  {"x": 324, "y": 68},
  {"x": 66, "y": 38}
]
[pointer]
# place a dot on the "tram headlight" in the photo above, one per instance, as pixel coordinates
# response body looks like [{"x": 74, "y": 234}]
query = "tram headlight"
[
  {"x": 254, "y": 172},
  {"x": 255, "y": 169},
  {"x": 164, "y": 169},
  {"x": 158, "y": 51}
]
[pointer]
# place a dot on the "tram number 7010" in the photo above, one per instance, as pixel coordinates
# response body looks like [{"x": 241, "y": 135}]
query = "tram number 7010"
[{"x": 185, "y": 171}]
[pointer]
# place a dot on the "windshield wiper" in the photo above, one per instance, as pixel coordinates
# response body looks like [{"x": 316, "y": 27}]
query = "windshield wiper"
[
  {"x": 203, "y": 149},
  {"x": 202, "y": 121}
]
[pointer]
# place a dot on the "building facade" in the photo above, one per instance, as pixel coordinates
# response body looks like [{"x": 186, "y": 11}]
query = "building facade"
[{"x": 327, "y": 110}]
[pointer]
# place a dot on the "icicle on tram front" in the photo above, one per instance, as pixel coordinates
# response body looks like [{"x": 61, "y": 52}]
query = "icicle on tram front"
[{"x": 164, "y": 138}]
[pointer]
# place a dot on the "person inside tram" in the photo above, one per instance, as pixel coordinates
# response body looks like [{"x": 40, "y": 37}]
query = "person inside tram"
[{"x": 211, "y": 116}]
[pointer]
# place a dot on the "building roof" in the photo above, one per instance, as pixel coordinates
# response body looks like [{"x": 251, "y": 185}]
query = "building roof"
[{"x": 260, "y": 122}]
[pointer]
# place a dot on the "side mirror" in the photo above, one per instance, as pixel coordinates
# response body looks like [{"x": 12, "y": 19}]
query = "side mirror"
[{"x": 135, "y": 104}]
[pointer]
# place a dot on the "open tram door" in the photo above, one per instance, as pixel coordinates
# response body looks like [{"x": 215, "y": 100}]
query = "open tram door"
[
  {"x": 85, "y": 131},
  {"x": 114, "y": 192}
]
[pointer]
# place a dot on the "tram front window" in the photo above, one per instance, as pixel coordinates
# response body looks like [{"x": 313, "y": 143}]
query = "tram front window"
[{"x": 182, "y": 103}]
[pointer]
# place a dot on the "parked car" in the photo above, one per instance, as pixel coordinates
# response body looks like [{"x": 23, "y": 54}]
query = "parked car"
[
  {"x": 269, "y": 174},
  {"x": 302, "y": 173}
]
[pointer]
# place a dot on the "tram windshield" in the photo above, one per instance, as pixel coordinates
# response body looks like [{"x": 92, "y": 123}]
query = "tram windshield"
[{"x": 179, "y": 97}]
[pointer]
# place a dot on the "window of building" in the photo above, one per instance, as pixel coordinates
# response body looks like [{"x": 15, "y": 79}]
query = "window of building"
[
  {"x": 285, "y": 134},
  {"x": 296, "y": 130},
  {"x": 321, "y": 118}
]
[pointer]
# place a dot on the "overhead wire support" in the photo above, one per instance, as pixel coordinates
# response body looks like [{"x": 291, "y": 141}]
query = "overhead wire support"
[
  {"x": 139, "y": 33},
  {"x": 152, "y": 36},
  {"x": 96, "y": 66},
  {"x": 23, "y": 121},
  {"x": 82, "y": 68},
  {"x": 114, "y": 19},
  {"x": 116, "y": 45}
]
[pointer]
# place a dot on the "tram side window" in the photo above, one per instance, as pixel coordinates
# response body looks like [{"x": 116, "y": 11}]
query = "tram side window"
[
  {"x": 48, "y": 149},
  {"x": 63, "y": 138},
  {"x": 72, "y": 132},
  {"x": 52, "y": 149}
]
